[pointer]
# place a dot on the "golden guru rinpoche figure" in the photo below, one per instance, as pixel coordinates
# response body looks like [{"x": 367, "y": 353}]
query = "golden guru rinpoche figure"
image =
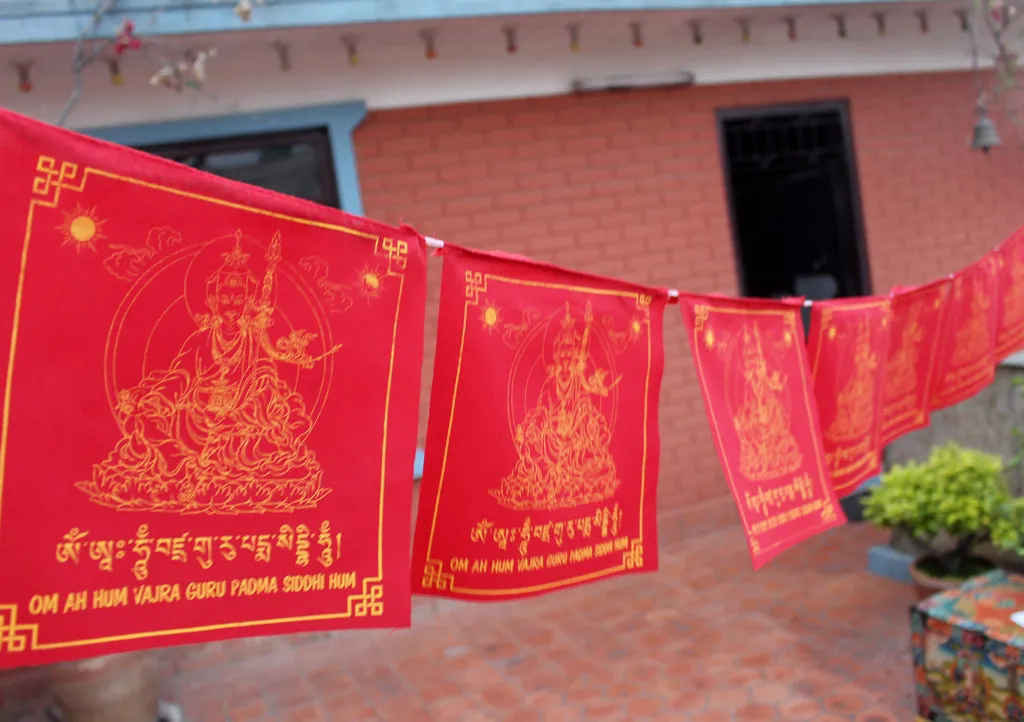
[
  {"x": 218, "y": 431},
  {"x": 562, "y": 444},
  {"x": 768, "y": 449}
]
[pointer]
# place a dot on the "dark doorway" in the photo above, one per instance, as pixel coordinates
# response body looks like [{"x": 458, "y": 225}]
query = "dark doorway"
[
  {"x": 298, "y": 164},
  {"x": 794, "y": 202}
]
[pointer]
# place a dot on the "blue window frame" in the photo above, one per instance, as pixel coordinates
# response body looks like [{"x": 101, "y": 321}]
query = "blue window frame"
[{"x": 340, "y": 121}]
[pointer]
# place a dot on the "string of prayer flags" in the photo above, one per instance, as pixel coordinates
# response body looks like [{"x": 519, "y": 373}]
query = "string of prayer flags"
[
  {"x": 966, "y": 353},
  {"x": 914, "y": 335},
  {"x": 1010, "y": 310},
  {"x": 542, "y": 446},
  {"x": 232, "y": 376},
  {"x": 847, "y": 349},
  {"x": 753, "y": 371}
]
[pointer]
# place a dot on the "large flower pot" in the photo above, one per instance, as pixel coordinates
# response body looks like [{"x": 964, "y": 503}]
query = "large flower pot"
[
  {"x": 114, "y": 688},
  {"x": 926, "y": 584}
]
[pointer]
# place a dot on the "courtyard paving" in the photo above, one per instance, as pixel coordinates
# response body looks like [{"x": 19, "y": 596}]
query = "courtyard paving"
[{"x": 811, "y": 637}]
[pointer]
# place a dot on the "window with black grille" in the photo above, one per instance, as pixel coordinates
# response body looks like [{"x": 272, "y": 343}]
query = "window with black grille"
[
  {"x": 298, "y": 164},
  {"x": 794, "y": 201}
]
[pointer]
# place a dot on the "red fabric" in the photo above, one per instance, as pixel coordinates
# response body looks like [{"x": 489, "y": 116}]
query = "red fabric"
[
  {"x": 917, "y": 320},
  {"x": 847, "y": 349},
  {"x": 752, "y": 368},
  {"x": 1010, "y": 308},
  {"x": 541, "y": 462},
  {"x": 966, "y": 353},
  {"x": 210, "y": 405}
]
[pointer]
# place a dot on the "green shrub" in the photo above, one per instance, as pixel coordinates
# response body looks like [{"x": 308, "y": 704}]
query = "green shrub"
[{"x": 960, "y": 494}]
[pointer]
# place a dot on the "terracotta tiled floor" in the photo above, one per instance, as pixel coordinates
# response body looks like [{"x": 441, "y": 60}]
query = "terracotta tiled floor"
[{"x": 811, "y": 637}]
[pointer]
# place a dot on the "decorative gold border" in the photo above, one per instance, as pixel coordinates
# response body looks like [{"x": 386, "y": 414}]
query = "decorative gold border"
[
  {"x": 915, "y": 418},
  {"x": 983, "y": 371},
  {"x": 874, "y": 455},
  {"x": 67, "y": 176},
  {"x": 434, "y": 576},
  {"x": 703, "y": 313},
  {"x": 1014, "y": 330}
]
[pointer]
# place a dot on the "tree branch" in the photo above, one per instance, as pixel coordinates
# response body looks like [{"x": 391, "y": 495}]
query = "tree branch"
[
  {"x": 996, "y": 18},
  {"x": 82, "y": 58},
  {"x": 176, "y": 70}
]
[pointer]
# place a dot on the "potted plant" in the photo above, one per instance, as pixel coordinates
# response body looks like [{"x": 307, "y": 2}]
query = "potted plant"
[{"x": 948, "y": 506}]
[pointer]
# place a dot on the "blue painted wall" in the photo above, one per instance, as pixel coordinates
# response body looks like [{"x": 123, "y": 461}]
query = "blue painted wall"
[
  {"x": 340, "y": 120},
  {"x": 40, "y": 21}
]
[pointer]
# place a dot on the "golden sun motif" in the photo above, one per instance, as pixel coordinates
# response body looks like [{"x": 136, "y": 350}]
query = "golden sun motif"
[
  {"x": 831, "y": 333},
  {"x": 787, "y": 338},
  {"x": 370, "y": 282},
  {"x": 709, "y": 338},
  {"x": 636, "y": 327},
  {"x": 490, "y": 316},
  {"x": 81, "y": 228}
]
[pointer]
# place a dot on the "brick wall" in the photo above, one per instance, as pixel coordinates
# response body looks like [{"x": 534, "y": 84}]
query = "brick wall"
[{"x": 630, "y": 185}]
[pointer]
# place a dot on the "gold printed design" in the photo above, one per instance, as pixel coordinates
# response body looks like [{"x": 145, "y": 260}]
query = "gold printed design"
[
  {"x": 70, "y": 547},
  {"x": 203, "y": 550},
  {"x": 434, "y": 576},
  {"x": 901, "y": 369},
  {"x": 605, "y": 521},
  {"x": 490, "y": 317},
  {"x": 700, "y": 317},
  {"x": 1013, "y": 297},
  {"x": 371, "y": 278},
  {"x": 634, "y": 558},
  {"x": 81, "y": 229},
  {"x": 475, "y": 285},
  {"x": 516, "y": 334},
  {"x": 369, "y": 603},
  {"x": 15, "y": 637},
  {"x": 563, "y": 441},
  {"x": 336, "y": 296},
  {"x": 972, "y": 338},
  {"x": 823, "y": 508},
  {"x": 219, "y": 430},
  {"x": 396, "y": 252},
  {"x": 768, "y": 448},
  {"x": 127, "y": 263},
  {"x": 53, "y": 179},
  {"x": 620, "y": 340},
  {"x": 766, "y": 501},
  {"x": 855, "y": 405}
]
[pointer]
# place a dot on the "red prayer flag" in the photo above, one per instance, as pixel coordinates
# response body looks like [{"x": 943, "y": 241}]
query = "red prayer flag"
[
  {"x": 752, "y": 367},
  {"x": 210, "y": 402},
  {"x": 1010, "y": 308},
  {"x": 914, "y": 333},
  {"x": 541, "y": 462},
  {"x": 847, "y": 347},
  {"x": 966, "y": 353}
]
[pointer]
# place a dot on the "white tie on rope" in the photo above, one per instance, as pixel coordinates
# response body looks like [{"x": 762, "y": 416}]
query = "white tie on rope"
[{"x": 672, "y": 292}]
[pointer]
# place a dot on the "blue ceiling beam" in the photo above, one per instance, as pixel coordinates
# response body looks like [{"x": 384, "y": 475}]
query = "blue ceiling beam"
[{"x": 48, "y": 21}]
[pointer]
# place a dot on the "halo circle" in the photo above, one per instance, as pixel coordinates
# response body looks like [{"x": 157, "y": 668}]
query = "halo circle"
[
  {"x": 736, "y": 384},
  {"x": 140, "y": 316},
  {"x": 529, "y": 373}
]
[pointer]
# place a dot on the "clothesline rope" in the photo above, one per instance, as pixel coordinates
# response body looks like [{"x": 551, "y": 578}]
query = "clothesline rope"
[{"x": 672, "y": 292}]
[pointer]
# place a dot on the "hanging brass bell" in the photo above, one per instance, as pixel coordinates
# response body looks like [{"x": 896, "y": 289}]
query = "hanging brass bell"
[{"x": 985, "y": 134}]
